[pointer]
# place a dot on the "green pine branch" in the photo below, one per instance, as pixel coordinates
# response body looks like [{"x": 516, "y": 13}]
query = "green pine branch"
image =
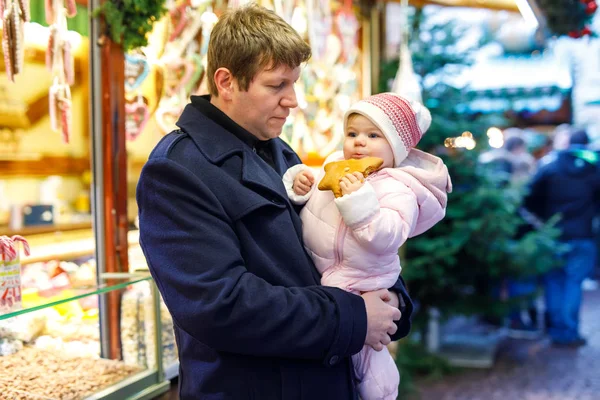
[{"x": 128, "y": 22}]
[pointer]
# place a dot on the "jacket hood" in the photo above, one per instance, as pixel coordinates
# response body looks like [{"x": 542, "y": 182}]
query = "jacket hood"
[
  {"x": 577, "y": 161},
  {"x": 428, "y": 177}
]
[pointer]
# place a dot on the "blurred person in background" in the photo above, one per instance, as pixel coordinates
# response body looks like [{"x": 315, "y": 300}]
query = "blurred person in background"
[
  {"x": 575, "y": 168},
  {"x": 512, "y": 161}
]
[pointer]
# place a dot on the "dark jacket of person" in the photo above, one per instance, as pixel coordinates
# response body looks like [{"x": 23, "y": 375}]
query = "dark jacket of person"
[
  {"x": 567, "y": 183},
  {"x": 224, "y": 245}
]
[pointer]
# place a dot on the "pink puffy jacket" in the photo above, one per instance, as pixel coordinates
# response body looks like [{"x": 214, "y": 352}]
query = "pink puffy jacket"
[{"x": 354, "y": 240}]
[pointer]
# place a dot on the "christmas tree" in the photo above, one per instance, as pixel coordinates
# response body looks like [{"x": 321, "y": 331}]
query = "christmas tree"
[{"x": 460, "y": 264}]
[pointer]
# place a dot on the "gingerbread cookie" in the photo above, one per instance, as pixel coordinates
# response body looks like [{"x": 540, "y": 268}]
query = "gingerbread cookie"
[{"x": 334, "y": 171}]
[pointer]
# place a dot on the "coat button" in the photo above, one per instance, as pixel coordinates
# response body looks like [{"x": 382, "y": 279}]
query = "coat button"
[{"x": 333, "y": 360}]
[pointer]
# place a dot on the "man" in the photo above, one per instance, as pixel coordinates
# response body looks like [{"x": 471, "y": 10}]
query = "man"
[
  {"x": 568, "y": 184},
  {"x": 225, "y": 245}
]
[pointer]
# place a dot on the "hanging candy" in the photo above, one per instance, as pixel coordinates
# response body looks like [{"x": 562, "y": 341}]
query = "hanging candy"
[
  {"x": 71, "y": 8},
  {"x": 13, "y": 17},
  {"x": 60, "y": 109},
  {"x": 59, "y": 57},
  {"x": 348, "y": 27},
  {"x": 52, "y": 43},
  {"x": 24, "y": 7},
  {"x": 179, "y": 17},
  {"x": 68, "y": 61},
  {"x": 64, "y": 106},
  {"x": 49, "y": 8}
]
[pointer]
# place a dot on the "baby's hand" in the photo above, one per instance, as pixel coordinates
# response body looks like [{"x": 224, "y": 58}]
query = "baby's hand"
[
  {"x": 303, "y": 182},
  {"x": 351, "y": 182}
]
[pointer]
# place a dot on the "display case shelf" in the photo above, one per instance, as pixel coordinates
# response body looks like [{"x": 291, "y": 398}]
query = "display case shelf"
[
  {"x": 66, "y": 245},
  {"x": 75, "y": 293},
  {"x": 142, "y": 386}
]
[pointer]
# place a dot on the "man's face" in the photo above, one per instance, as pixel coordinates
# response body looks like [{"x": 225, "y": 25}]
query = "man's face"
[{"x": 264, "y": 107}]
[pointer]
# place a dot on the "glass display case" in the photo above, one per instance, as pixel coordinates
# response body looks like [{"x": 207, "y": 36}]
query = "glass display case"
[
  {"x": 76, "y": 334},
  {"x": 51, "y": 347}
]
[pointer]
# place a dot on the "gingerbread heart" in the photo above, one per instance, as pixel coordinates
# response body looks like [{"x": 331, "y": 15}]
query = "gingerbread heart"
[
  {"x": 136, "y": 71},
  {"x": 179, "y": 19},
  {"x": 197, "y": 71},
  {"x": 334, "y": 171},
  {"x": 166, "y": 115},
  {"x": 348, "y": 27},
  {"x": 178, "y": 74},
  {"x": 136, "y": 117}
]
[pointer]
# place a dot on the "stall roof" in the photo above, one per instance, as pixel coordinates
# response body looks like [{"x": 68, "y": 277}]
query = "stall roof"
[{"x": 518, "y": 83}]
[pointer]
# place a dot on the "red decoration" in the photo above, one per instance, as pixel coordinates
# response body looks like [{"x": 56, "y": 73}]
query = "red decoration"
[
  {"x": 591, "y": 7},
  {"x": 574, "y": 34},
  {"x": 586, "y": 31}
]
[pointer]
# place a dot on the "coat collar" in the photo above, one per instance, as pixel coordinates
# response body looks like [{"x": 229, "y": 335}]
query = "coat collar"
[
  {"x": 213, "y": 141},
  {"x": 217, "y": 144}
]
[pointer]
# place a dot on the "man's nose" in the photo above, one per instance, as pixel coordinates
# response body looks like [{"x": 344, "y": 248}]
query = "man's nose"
[{"x": 290, "y": 100}]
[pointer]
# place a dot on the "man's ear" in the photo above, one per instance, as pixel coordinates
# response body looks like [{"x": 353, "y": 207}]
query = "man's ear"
[{"x": 225, "y": 83}]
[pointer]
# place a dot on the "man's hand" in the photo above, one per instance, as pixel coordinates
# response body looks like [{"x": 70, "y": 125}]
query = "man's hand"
[
  {"x": 380, "y": 318},
  {"x": 303, "y": 182},
  {"x": 394, "y": 300}
]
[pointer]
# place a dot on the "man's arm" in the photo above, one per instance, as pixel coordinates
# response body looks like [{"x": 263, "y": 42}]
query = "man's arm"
[{"x": 195, "y": 257}]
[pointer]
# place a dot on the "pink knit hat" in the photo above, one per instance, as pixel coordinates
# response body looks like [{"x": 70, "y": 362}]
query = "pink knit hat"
[{"x": 402, "y": 121}]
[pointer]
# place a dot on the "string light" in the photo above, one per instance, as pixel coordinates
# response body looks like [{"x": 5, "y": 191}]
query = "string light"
[
  {"x": 465, "y": 141},
  {"x": 495, "y": 137}
]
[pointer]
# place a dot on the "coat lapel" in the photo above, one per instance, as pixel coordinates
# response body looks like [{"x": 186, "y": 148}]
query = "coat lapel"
[
  {"x": 217, "y": 145},
  {"x": 258, "y": 174}
]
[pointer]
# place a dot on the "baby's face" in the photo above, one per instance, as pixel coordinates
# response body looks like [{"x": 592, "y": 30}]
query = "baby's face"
[{"x": 364, "y": 139}]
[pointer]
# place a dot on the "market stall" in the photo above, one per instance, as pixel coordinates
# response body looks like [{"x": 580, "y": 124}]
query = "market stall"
[{"x": 81, "y": 117}]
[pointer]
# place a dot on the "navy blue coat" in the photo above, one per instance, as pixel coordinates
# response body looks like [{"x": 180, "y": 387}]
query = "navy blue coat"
[
  {"x": 224, "y": 246},
  {"x": 567, "y": 183}
]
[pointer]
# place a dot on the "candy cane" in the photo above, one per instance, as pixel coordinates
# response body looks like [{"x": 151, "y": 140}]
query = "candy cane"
[
  {"x": 24, "y": 6},
  {"x": 9, "y": 39},
  {"x": 64, "y": 106},
  {"x": 23, "y": 241},
  {"x": 49, "y": 6},
  {"x": 7, "y": 249},
  {"x": 67, "y": 59},
  {"x": 19, "y": 32},
  {"x": 71, "y": 8},
  {"x": 51, "y": 50}
]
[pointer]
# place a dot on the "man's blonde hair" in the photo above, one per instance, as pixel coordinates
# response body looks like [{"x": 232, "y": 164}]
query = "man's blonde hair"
[{"x": 247, "y": 39}]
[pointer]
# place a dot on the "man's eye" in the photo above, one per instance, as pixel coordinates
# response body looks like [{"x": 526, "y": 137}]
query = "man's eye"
[{"x": 278, "y": 86}]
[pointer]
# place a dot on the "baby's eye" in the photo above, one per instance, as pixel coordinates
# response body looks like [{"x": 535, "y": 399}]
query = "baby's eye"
[
  {"x": 351, "y": 134},
  {"x": 373, "y": 135}
]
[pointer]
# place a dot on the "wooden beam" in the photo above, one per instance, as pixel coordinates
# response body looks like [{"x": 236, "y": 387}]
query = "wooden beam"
[
  {"x": 44, "y": 166},
  {"x": 114, "y": 179},
  {"x": 508, "y": 5}
]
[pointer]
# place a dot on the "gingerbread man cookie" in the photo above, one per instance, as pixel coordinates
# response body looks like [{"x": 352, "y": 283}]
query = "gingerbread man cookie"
[{"x": 334, "y": 171}]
